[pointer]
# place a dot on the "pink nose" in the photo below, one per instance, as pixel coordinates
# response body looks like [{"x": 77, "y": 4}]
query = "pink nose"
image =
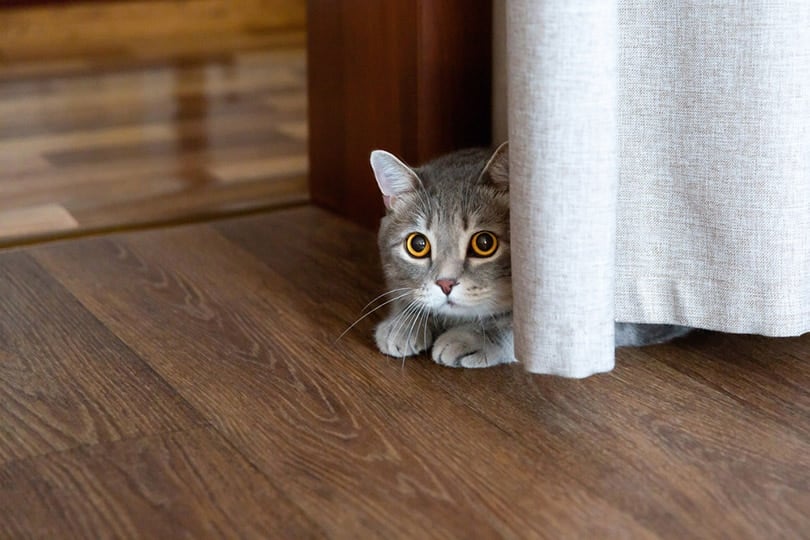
[{"x": 446, "y": 285}]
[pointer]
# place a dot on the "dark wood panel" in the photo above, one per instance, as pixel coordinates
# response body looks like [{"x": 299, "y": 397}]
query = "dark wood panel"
[
  {"x": 454, "y": 76},
  {"x": 411, "y": 77}
]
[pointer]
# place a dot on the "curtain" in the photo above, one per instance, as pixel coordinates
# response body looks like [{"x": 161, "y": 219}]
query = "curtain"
[{"x": 660, "y": 171}]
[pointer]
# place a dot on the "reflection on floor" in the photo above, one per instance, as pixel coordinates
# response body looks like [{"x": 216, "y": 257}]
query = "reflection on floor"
[{"x": 107, "y": 148}]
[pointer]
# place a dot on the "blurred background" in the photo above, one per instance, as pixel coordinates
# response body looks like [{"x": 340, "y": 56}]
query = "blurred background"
[{"x": 118, "y": 113}]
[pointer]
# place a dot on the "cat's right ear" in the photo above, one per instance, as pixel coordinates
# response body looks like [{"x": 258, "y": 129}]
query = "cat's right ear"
[
  {"x": 497, "y": 168},
  {"x": 393, "y": 176}
]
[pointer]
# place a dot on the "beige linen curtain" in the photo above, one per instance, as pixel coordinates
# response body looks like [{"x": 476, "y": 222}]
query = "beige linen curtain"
[{"x": 660, "y": 165}]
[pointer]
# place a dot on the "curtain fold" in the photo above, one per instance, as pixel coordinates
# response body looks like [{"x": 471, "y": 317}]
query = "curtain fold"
[
  {"x": 660, "y": 166},
  {"x": 563, "y": 132}
]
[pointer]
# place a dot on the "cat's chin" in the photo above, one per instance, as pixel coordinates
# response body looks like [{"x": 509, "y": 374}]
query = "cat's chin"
[{"x": 454, "y": 310}]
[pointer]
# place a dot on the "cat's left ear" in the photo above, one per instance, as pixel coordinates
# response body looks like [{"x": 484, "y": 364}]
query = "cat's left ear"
[
  {"x": 393, "y": 176},
  {"x": 497, "y": 168}
]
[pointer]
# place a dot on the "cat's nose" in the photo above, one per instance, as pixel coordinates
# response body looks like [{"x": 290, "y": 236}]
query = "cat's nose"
[{"x": 446, "y": 285}]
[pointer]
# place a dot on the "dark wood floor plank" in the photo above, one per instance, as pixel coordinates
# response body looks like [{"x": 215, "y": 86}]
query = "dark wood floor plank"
[
  {"x": 337, "y": 430},
  {"x": 179, "y": 485},
  {"x": 683, "y": 426},
  {"x": 65, "y": 380},
  {"x": 237, "y": 323},
  {"x": 667, "y": 449},
  {"x": 754, "y": 373}
]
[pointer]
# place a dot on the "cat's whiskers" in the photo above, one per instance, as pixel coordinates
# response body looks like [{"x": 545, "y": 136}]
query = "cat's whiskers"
[
  {"x": 402, "y": 319},
  {"x": 427, "y": 318},
  {"x": 424, "y": 313},
  {"x": 405, "y": 317},
  {"x": 372, "y": 311},
  {"x": 416, "y": 317},
  {"x": 386, "y": 293},
  {"x": 417, "y": 313}
]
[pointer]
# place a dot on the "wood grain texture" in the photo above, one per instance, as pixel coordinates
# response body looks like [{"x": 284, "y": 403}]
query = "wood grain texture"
[
  {"x": 178, "y": 485},
  {"x": 328, "y": 432},
  {"x": 148, "y": 145},
  {"x": 410, "y": 77},
  {"x": 65, "y": 381},
  {"x": 238, "y": 320}
]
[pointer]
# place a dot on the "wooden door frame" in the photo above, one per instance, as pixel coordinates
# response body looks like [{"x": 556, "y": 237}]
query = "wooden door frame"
[{"x": 409, "y": 76}]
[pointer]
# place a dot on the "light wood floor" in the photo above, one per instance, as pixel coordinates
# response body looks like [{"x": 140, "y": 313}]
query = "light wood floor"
[
  {"x": 187, "y": 382},
  {"x": 108, "y": 144}
]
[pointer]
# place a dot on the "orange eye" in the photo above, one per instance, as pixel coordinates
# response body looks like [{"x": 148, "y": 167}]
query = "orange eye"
[
  {"x": 417, "y": 245},
  {"x": 483, "y": 244}
]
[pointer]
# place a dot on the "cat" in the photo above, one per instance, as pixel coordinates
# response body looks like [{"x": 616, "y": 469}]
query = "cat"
[{"x": 444, "y": 248}]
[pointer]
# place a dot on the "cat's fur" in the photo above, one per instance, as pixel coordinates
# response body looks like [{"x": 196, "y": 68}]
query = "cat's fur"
[{"x": 449, "y": 200}]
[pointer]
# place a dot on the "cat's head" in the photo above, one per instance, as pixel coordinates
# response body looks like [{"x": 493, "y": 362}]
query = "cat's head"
[{"x": 445, "y": 235}]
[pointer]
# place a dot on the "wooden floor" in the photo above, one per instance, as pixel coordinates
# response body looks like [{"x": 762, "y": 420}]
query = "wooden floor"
[
  {"x": 108, "y": 143},
  {"x": 187, "y": 382}
]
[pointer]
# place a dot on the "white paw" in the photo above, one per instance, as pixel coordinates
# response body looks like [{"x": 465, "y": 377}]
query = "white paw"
[
  {"x": 469, "y": 348},
  {"x": 459, "y": 347},
  {"x": 399, "y": 338}
]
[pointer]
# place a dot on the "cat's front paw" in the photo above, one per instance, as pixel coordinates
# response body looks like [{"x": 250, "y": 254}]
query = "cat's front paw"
[
  {"x": 396, "y": 337},
  {"x": 464, "y": 347}
]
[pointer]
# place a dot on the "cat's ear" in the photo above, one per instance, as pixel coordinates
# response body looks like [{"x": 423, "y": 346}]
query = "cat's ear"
[
  {"x": 393, "y": 176},
  {"x": 497, "y": 168}
]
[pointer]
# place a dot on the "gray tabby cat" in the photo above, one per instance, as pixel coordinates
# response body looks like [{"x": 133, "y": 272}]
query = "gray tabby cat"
[{"x": 444, "y": 245}]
